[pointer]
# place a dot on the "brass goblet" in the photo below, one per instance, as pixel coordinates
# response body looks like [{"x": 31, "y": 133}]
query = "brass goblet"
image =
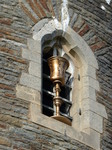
[{"x": 58, "y": 65}]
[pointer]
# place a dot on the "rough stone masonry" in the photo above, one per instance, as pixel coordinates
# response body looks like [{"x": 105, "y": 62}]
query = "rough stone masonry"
[{"x": 17, "y": 17}]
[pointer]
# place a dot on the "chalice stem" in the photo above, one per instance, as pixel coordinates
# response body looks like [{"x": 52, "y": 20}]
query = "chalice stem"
[
  {"x": 57, "y": 110},
  {"x": 57, "y": 89},
  {"x": 57, "y": 100}
]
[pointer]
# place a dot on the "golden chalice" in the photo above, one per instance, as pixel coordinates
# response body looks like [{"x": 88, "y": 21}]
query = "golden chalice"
[{"x": 58, "y": 65}]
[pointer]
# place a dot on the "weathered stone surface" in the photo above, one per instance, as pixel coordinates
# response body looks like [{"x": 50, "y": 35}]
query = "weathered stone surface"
[
  {"x": 4, "y": 141},
  {"x": 29, "y": 55},
  {"x": 38, "y": 27},
  {"x": 34, "y": 46},
  {"x": 89, "y": 71},
  {"x": 30, "y": 81},
  {"x": 85, "y": 137},
  {"x": 10, "y": 120},
  {"x": 82, "y": 48},
  {"x": 35, "y": 69},
  {"x": 104, "y": 97},
  {"x": 88, "y": 92},
  {"x": 88, "y": 104},
  {"x": 90, "y": 119},
  {"x": 91, "y": 82},
  {"x": 16, "y": 22},
  {"x": 28, "y": 94}
]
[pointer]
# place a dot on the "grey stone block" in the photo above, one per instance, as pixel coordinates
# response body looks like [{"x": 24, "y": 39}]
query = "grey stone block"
[
  {"x": 34, "y": 45},
  {"x": 30, "y": 81},
  {"x": 35, "y": 69},
  {"x": 38, "y": 26},
  {"x": 30, "y": 55}
]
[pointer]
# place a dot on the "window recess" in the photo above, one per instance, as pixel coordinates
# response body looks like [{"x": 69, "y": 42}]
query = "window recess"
[{"x": 48, "y": 93}]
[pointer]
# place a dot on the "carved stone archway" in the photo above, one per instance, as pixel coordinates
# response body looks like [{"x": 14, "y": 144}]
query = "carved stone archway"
[{"x": 86, "y": 127}]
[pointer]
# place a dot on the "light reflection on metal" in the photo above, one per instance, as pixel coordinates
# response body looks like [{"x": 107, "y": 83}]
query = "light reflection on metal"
[{"x": 58, "y": 65}]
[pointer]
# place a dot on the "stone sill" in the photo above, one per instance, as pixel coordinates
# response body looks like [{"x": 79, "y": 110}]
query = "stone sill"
[{"x": 92, "y": 139}]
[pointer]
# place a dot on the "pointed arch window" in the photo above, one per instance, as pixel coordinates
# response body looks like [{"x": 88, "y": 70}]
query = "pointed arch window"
[
  {"x": 48, "y": 87},
  {"x": 84, "y": 87}
]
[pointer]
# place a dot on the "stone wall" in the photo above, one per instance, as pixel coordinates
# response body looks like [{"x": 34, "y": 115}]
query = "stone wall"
[
  {"x": 104, "y": 58},
  {"x": 17, "y": 17}
]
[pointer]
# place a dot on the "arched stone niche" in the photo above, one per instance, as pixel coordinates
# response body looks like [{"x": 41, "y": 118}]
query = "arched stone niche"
[
  {"x": 47, "y": 48},
  {"x": 87, "y": 113}
]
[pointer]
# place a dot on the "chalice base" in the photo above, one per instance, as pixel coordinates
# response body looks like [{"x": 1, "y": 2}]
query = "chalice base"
[{"x": 62, "y": 119}]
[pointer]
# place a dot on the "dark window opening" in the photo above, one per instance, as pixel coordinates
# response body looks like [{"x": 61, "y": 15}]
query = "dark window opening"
[{"x": 48, "y": 94}]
